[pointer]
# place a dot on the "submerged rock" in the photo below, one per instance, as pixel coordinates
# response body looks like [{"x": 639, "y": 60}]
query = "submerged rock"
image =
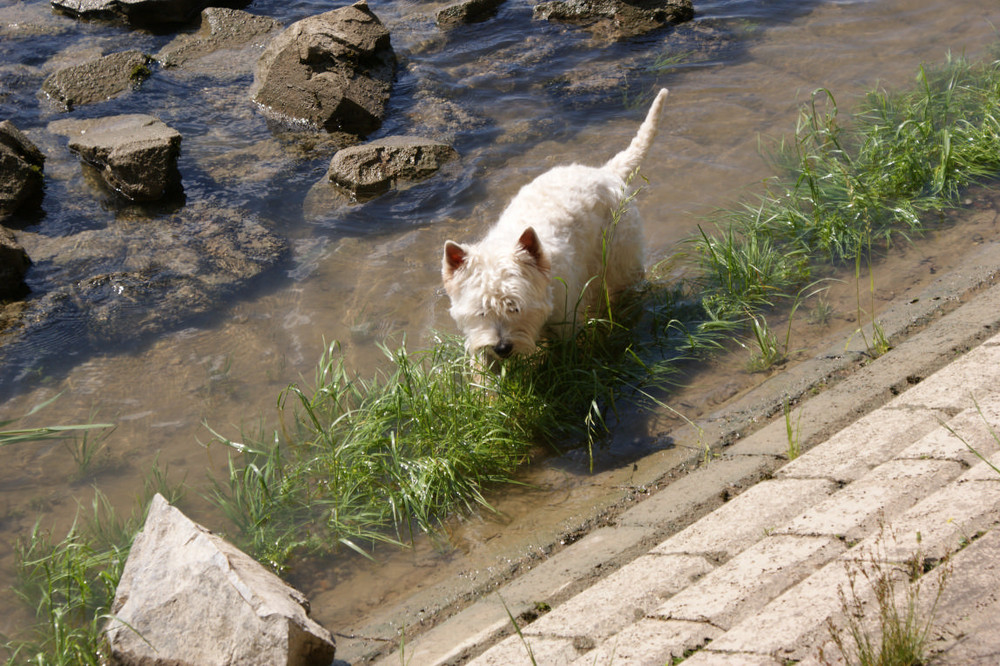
[
  {"x": 469, "y": 11},
  {"x": 617, "y": 19},
  {"x": 134, "y": 278},
  {"x": 21, "y": 166},
  {"x": 135, "y": 153},
  {"x": 373, "y": 168},
  {"x": 221, "y": 28},
  {"x": 14, "y": 264},
  {"x": 97, "y": 80},
  {"x": 332, "y": 71},
  {"x": 137, "y": 12},
  {"x": 187, "y": 596}
]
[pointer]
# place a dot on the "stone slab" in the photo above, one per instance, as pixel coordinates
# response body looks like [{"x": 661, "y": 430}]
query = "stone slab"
[
  {"x": 622, "y": 598},
  {"x": 748, "y": 518},
  {"x": 650, "y": 642},
  {"x": 952, "y": 440},
  {"x": 528, "y": 651},
  {"x": 750, "y": 580},
  {"x": 709, "y": 657},
  {"x": 976, "y": 373},
  {"x": 791, "y": 625},
  {"x": 695, "y": 489},
  {"x": 883, "y": 493},
  {"x": 869, "y": 441}
]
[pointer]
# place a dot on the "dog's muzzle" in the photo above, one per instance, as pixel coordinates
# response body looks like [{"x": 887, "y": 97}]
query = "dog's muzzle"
[{"x": 503, "y": 349}]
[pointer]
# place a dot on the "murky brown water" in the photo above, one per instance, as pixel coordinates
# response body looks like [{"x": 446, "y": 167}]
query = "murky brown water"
[{"x": 360, "y": 288}]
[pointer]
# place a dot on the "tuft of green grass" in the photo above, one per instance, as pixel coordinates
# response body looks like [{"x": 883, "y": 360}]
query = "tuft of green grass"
[{"x": 898, "y": 634}]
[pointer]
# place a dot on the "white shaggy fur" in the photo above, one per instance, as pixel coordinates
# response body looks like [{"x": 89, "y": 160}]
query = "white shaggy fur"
[{"x": 537, "y": 266}]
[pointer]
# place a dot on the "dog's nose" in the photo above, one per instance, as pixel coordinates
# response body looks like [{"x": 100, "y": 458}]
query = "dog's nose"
[{"x": 503, "y": 348}]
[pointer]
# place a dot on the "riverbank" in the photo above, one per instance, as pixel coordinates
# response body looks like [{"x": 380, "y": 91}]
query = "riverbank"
[{"x": 856, "y": 419}]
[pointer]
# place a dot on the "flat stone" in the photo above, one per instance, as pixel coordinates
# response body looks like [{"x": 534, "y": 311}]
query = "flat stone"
[
  {"x": 650, "y": 642},
  {"x": 528, "y": 651},
  {"x": 623, "y": 597},
  {"x": 963, "y": 436},
  {"x": 746, "y": 583},
  {"x": 221, "y": 28},
  {"x": 97, "y": 80},
  {"x": 791, "y": 625},
  {"x": 869, "y": 441},
  {"x": 136, "y": 154},
  {"x": 375, "y": 167},
  {"x": 747, "y": 518},
  {"x": 615, "y": 19},
  {"x": 470, "y": 11},
  {"x": 187, "y": 596},
  {"x": 884, "y": 493},
  {"x": 137, "y": 12},
  {"x": 710, "y": 657},
  {"x": 976, "y": 373}
]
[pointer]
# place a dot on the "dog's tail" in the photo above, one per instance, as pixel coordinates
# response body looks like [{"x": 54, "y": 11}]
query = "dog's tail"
[{"x": 627, "y": 161}]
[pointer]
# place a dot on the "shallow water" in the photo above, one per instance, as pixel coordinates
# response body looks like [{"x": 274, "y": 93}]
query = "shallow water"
[{"x": 514, "y": 97}]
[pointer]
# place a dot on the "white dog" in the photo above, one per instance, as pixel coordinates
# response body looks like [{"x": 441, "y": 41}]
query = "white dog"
[{"x": 552, "y": 253}]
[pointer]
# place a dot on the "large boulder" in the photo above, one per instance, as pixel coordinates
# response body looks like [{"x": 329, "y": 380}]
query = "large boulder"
[
  {"x": 135, "y": 153},
  {"x": 186, "y": 596},
  {"x": 136, "y": 12},
  {"x": 20, "y": 169},
  {"x": 332, "y": 71},
  {"x": 373, "y": 168},
  {"x": 221, "y": 28},
  {"x": 616, "y": 19},
  {"x": 14, "y": 264},
  {"x": 98, "y": 79}
]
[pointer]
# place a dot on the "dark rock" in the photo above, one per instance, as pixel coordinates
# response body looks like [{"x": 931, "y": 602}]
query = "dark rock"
[
  {"x": 136, "y": 154},
  {"x": 470, "y": 11},
  {"x": 14, "y": 264},
  {"x": 332, "y": 71},
  {"x": 187, "y": 596},
  {"x": 136, "y": 12},
  {"x": 20, "y": 169},
  {"x": 221, "y": 28},
  {"x": 373, "y": 168},
  {"x": 97, "y": 80},
  {"x": 617, "y": 19},
  {"x": 134, "y": 278}
]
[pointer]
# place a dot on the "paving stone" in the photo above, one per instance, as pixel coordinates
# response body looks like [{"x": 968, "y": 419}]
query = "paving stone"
[
  {"x": 866, "y": 443},
  {"x": 790, "y": 626},
  {"x": 650, "y": 643},
  {"x": 464, "y": 633},
  {"x": 888, "y": 490},
  {"x": 746, "y": 519},
  {"x": 938, "y": 524},
  {"x": 514, "y": 651},
  {"x": 693, "y": 490},
  {"x": 988, "y": 469},
  {"x": 710, "y": 657},
  {"x": 620, "y": 599},
  {"x": 970, "y": 428},
  {"x": 750, "y": 580},
  {"x": 482, "y": 622},
  {"x": 568, "y": 566},
  {"x": 965, "y": 625},
  {"x": 974, "y": 374}
]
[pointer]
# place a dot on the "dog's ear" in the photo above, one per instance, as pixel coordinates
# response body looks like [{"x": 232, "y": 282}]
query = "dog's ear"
[
  {"x": 529, "y": 244},
  {"x": 454, "y": 258}
]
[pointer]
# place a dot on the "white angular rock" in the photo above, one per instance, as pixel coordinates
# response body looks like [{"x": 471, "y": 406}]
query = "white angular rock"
[{"x": 187, "y": 596}]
